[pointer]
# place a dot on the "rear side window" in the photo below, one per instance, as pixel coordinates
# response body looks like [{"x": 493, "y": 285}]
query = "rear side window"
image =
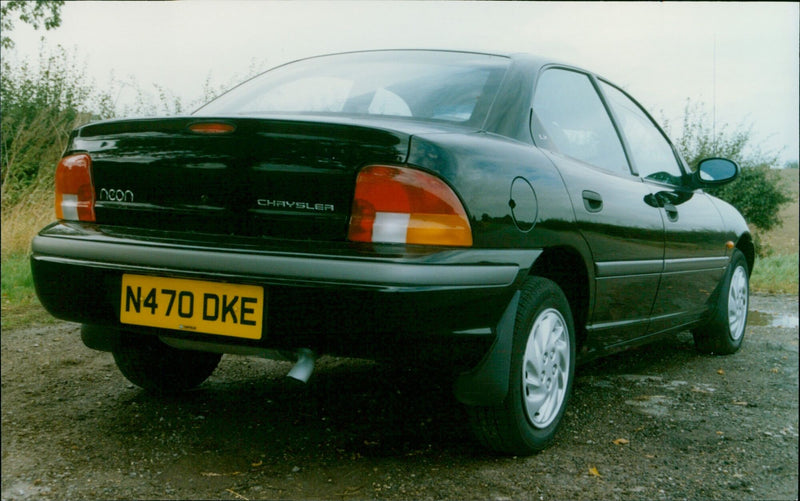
[
  {"x": 569, "y": 117},
  {"x": 651, "y": 152}
]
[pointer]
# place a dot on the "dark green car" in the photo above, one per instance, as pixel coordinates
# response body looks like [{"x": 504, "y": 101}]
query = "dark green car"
[{"x": 506, "y": 215}]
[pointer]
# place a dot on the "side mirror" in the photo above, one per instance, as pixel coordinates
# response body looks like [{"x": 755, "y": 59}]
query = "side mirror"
[{"x": 716, "y": 171}]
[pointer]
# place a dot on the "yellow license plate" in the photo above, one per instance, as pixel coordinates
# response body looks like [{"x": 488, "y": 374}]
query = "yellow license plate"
[{"x": 193, "y": 306}]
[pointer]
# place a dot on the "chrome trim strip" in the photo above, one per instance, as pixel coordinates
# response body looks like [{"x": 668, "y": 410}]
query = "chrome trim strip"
[
  {"x": 616, "y": 268},
  {"x": 695, "y": 264},
  {"x": 612, "y": 325},
  {"x": 647, "y": 267}
]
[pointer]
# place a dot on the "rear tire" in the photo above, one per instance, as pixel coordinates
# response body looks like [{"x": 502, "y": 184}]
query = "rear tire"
[
  {"x": 541, "y": 375},
  {"x": 724, "y": 333},
  {"x": 150, "y": 364}
]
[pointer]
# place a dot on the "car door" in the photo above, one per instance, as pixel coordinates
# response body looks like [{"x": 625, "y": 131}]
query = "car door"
[
  {"x": 695, "y": 253},
  {"x": 625, "y": 234}
]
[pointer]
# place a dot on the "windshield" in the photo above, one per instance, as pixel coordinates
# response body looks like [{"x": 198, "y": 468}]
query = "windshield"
[{"x": 428, "y": 85}]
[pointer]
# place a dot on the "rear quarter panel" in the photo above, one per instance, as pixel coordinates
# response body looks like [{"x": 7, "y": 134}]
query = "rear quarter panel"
[{"x": 481, "y": 168}]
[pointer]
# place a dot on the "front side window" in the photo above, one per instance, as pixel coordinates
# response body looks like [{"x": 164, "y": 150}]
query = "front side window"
[
  {"x": 426, "y": 85},
  {"x": 650, "y": 151},
  {"x": 569, "y": 117}
]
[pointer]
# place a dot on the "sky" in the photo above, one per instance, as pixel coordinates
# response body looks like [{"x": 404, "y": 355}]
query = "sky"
[{"x": 739, "y": 60}]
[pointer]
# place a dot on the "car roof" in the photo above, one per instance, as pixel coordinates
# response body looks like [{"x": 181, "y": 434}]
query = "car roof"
[
  {"x": 527, "y": 60},
  {"x": 522, "y": 57}
]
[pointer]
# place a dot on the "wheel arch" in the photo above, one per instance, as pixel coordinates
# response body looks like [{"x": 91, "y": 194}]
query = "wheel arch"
[
  {"x": 488, "y": 382},
  {"x": 566, "y": 267},
  {"x": 748, "y": 248}
]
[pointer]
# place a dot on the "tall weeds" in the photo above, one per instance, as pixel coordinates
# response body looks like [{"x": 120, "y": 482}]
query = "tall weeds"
[
  {"x": 41, "y": 104},
  {"x": 22, "y": 221}
]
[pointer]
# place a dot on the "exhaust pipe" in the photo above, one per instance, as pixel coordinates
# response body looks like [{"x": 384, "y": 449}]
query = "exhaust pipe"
[
  {"x": 304, "y": 358},
  {"x": 304, "y": 366}
]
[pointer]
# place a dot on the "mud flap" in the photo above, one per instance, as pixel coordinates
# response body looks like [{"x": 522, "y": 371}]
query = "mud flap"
[
  {"x": 99, "y": 337},
  {"x": 487, "y": 383}
]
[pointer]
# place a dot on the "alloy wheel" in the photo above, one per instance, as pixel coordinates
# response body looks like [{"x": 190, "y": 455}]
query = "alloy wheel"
[
  {"x": 545, "y": 371},
  {"x": 737, "y": 303}
]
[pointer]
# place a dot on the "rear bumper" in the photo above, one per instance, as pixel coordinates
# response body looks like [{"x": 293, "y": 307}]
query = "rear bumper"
[
  {"x": 325, "y": 299},
  {"x": 450, "y": 269}
]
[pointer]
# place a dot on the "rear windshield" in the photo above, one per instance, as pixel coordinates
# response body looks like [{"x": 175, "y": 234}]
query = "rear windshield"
[{"x": 428, "y": 85}]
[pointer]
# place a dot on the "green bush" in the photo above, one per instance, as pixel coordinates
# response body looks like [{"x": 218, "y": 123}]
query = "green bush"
[{"x": 757, "y": 192}]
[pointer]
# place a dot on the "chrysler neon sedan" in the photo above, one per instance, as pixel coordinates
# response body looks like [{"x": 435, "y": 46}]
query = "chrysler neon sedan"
[{"x": 505, "y": 214}]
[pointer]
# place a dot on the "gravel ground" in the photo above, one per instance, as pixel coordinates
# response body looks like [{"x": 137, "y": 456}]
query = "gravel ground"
[{"x": 658, "y": 422}]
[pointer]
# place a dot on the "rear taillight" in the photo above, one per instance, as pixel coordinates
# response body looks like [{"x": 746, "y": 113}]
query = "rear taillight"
[
  {"x": 402, "y": 205},
  {"x": 74, "y": 190}
]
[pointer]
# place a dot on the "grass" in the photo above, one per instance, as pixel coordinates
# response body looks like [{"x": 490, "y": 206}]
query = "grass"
[
  {"x": 16, "y": 283},
  {"x": 20, "y": 307},
  {"x": 775, "y": 274},
  {"x": 784, "y": 239},
  {"x": 777, "y": 271}
]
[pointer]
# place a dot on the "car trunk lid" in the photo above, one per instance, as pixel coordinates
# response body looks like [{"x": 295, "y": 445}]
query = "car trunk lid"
[{"x": 256, "y": 177}]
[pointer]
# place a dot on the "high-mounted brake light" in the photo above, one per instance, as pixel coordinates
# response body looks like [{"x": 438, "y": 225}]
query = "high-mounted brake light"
[
  {"x": 402, "y": 205},
  {"x": 74, "y": 189},
  {"x": 212, "y": 128}
]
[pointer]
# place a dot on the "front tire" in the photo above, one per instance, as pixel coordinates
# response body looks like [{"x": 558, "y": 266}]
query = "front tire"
[
  {"x": 724, "y": 333},
  {"x": 150, "y": 364},
  {"x": 541, "y": 375}
]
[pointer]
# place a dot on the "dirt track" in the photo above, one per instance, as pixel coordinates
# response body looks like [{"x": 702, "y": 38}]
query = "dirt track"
[{"x": 660, "y": 422}]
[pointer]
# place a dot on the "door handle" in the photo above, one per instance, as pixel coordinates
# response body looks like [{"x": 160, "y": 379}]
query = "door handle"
[
  {"x": 665, "y": 200},
  {"x": 592, "y": 201},
  {"x": 672, "y": 211}
]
